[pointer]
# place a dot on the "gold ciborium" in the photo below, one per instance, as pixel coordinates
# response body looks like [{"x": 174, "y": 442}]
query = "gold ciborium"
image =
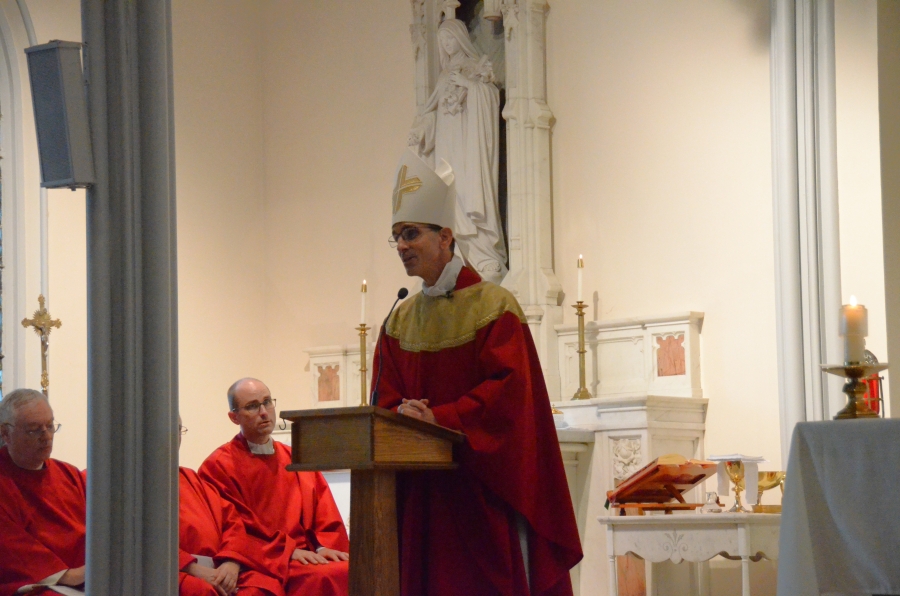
[
  {"x": 768, "y": 481},
  {"x": 735, "y": 470}
]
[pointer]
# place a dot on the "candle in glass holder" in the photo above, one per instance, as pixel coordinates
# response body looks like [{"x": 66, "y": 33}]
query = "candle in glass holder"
[
  {"x": 854, "y": 328},
  {"x": 580, "y": 270},
  {"x": 362, "y": 316}
]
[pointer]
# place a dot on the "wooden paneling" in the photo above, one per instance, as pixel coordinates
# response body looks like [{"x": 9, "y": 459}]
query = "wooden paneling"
[{"x": 395, "y": 443}]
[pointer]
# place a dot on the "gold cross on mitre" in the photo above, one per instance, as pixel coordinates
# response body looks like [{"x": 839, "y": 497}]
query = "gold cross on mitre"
[
  {"x": 42, "y": 324},
  {"x": 404, "y": 186}
]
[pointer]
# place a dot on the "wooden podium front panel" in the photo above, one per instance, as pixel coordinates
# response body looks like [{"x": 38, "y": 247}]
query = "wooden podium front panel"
[
  {"x": 399, "y": 444},
  {"x": 332, "y": 443}
]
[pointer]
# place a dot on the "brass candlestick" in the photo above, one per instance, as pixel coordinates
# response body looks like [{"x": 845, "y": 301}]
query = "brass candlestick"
[
  {"x": 362, "y": 363},
  {"x": 582, "y": 392},
  {"x": 43, "y": 324},
  {"x": 854, "y": 388}
]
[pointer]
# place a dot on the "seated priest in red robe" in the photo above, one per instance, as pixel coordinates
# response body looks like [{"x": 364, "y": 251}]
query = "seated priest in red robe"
[
  {"x": 216, "y": 557},
  {"x": 460, "y": 354},
  {"x": 249, "y": 471},
  {"x": 42, "y": 500}
]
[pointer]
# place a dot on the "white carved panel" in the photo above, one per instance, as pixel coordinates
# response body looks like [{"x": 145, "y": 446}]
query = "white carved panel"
[
  {"x": 624, "y": 357},
  {"x": 623, "y": 370},
  {"x": 626, "y": 457},
  {"x": 346, "y": 360}
]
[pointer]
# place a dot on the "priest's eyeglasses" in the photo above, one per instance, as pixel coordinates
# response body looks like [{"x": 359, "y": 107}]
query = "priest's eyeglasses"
[
  {"x": 253, "y": 407},
  {"x": 182, "y": 430},
  {"x": 409, "y": 234},
  {"x": 34, "y": 433}
]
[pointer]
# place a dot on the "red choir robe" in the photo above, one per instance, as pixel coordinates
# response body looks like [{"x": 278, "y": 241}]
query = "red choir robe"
[
  {"x": 42, "y": 522},
  {"x": 270, "y": 500},
  {"x": 472, "y": 356},
  {"x": 210, "y": 526}
]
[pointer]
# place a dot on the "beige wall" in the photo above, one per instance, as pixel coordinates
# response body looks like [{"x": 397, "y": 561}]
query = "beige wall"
[
  {"x": 221, "y": 186},
  {"x": 662, "y": 179},
  {"x": 290, "y": 117},
  {"x": 859, "y": 167},
  {"x": 339, "y": 101}
]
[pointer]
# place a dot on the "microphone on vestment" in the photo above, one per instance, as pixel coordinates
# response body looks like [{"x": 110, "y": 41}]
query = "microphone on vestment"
[{"x": 403, "y": 293}]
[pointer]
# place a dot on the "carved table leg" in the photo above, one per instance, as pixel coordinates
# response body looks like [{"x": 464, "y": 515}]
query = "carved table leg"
[
  {"x": 613, "y": 579},
  {"x": 745, "y": 576}
]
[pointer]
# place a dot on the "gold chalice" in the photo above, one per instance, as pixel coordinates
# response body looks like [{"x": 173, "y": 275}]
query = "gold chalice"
[
  {"x": 735, "y": 470},
  {"x": 768, "y": 481}
]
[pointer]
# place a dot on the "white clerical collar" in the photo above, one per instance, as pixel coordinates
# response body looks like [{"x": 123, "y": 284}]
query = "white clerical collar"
[
  {"x": 447, "y": 281},
  {"x": 267, "y": 448}
]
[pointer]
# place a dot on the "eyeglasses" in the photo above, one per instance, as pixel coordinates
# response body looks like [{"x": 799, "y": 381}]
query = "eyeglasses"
[
  {"x": 182, "y": 430},
  {"x": 408, "y": 235},
  {"x": 253, "y": 407},
  {"x": 34, "y": 433}
]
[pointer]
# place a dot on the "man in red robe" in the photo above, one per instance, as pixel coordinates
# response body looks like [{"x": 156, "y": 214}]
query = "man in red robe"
[
  {"x": 42, "y": 500},
  {"x": 459, "y": 354},
  {"x": 216, "y": 557},
  {"x": 249, "y": 471}
]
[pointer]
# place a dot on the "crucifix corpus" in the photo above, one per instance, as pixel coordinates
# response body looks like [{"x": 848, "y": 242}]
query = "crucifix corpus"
[{"x": 43, "y": 324}]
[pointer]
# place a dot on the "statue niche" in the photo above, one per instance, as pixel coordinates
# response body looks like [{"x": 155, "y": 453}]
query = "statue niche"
[{"x": 460, "y": 123}]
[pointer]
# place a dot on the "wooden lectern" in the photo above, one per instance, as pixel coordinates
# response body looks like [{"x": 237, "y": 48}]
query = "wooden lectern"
[{"x": 374, "y": 444}]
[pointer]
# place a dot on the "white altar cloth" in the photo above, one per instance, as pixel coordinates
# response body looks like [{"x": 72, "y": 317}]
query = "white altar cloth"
[{"x": 840, "y": 523}]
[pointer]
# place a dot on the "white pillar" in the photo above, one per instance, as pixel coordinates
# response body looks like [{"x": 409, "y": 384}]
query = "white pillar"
[
  {"x": 530, "y": 205},
  {"x": 132, "y": 535},
  {"x": 807, "y": 243}
]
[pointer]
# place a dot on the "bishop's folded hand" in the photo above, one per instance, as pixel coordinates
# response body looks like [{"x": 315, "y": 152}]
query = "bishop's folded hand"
[{"x": 415, "y": 408}]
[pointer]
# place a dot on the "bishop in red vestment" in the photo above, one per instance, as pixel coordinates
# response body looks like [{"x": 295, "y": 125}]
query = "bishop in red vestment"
[
  {"x": 250, "y": 472},
  {"x": 42, "y": 500},
  {"x": 460, "y": 354}
]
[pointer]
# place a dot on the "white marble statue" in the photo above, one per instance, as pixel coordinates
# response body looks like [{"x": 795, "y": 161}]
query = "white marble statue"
[{"x": 460, "y": 123}]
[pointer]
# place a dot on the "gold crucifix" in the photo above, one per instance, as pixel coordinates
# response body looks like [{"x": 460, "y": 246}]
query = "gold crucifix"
[{"x": 42, "y": 324}]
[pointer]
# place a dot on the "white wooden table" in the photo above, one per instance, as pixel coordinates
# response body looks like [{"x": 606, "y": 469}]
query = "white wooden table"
[{"x": 692, "y": 537}]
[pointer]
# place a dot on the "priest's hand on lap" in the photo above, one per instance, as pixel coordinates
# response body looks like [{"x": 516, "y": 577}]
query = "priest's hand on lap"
[
  {"x": 227, "y": 576},
  {"x": 307, "y": 556},
  {"x": 415, "y": 408},
  {"x": 333, "y": 555},
  {"x": 72, "y": 577},
  {"x": 208, "y": 575}
]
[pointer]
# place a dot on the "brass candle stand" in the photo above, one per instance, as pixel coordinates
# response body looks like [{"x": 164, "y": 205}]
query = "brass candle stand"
[
  {"x": 582, "y": 392},
  {"x": 363, "y": 401},
  {"x": 854, "y": 388}
]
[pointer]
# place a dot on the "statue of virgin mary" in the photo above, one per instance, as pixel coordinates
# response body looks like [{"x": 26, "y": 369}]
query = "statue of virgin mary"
[{"x": 460, "y": 123}]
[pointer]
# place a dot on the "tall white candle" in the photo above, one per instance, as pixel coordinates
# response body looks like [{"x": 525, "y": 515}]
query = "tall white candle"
[
  {"x": 854, "y": 329},
  {"x": 580, "y": 272},
  {"x": 362, "y": 315}
]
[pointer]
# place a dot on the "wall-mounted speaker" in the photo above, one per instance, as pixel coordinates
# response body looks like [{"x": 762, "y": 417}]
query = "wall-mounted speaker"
[{"x": 60, "y": 114}]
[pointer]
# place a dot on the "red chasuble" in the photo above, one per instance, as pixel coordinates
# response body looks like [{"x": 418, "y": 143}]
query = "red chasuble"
[
  {"x": 472, "y": 356},
  {"x": 42, "y": 522},
  {"x": 272, "y": 501},
  {"x": 210, "y": 526}
]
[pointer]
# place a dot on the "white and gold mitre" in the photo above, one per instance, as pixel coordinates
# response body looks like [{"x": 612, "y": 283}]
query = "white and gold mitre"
[{"x": 423, "y": 195}]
